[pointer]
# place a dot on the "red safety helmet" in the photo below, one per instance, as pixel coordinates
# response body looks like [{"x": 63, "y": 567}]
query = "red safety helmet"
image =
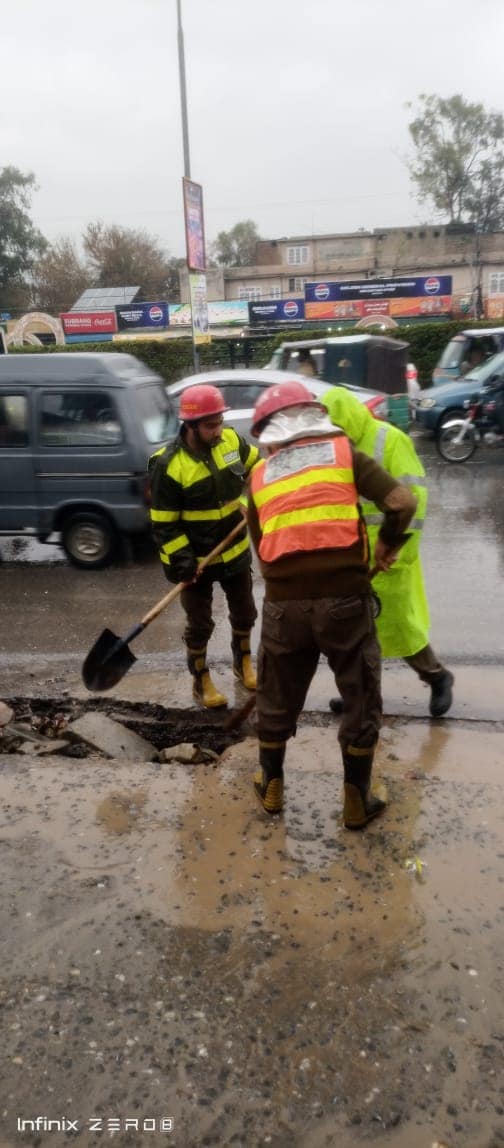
[
  {"x": 201, "y": 402},
  {"x": 278, "y": 398}
]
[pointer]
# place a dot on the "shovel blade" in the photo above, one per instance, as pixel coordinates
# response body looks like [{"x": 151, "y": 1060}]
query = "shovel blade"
[{"x": 107, "y": 662}]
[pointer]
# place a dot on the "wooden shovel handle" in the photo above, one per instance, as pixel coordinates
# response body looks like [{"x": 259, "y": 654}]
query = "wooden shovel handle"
[{"x": 172, "y": 594}]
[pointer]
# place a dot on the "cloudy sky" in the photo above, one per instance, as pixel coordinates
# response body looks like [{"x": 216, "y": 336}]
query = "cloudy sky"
[{"x": 297, "y": 114}]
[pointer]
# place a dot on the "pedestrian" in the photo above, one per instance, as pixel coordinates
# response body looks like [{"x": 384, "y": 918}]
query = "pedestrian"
[
  {"x": 311, "y": 540},
  {"x": 197, "y": 498},
  {"x": 404, "y": 622}
]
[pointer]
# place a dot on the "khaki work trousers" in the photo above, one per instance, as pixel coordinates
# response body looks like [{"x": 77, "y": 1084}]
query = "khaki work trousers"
[
  {"x": 197, "y": 599},
  {"x": 293, "y": 636}
]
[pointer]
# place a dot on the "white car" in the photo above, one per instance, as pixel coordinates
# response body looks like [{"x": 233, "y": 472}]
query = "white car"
[{"x": 241, "y": 389}]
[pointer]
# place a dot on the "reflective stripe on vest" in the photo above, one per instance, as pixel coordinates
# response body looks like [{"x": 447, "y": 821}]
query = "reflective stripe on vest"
[{"x": 306, "y": 498}]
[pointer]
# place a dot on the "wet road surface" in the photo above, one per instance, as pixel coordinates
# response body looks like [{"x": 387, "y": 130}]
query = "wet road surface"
[{"x": 169, "y": 951}]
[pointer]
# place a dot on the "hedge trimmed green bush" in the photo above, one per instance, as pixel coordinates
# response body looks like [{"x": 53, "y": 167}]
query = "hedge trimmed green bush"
[{"x": 174, "y": 358}]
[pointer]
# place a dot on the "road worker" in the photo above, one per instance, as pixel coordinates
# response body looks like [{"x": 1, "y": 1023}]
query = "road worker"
[
  {"x": 197, "y": 498},
  {"x": 311, "y": 540},
  {"x": 403, "y": 624}
]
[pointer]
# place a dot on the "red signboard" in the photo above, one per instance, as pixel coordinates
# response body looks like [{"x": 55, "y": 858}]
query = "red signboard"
[{"x": 89, "y": 322}]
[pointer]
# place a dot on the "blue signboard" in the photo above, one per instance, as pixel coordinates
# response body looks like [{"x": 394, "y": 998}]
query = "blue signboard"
[
  {"x": 135, "y": 315},
  {"x": 88, "y": 338},
  {"x": 280, "y": 311},
  {"x": 401, "y": 287}
]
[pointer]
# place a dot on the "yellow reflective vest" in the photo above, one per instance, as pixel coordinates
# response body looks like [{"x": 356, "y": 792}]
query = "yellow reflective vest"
[{"x": 195, "y": 503}]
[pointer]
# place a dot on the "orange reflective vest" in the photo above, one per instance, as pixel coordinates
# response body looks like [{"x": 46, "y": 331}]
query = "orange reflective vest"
[{"x": 306, "y": 498}]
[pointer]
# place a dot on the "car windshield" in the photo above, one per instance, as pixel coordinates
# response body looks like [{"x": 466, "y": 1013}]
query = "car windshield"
[
  {"x": 453, "y": 354},
  {"x": 157, "y": 413},
  {"x": 482, "y": 375}
]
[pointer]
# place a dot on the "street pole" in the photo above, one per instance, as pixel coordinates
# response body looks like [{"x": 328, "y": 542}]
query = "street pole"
[{"x": 185, "y": 134}]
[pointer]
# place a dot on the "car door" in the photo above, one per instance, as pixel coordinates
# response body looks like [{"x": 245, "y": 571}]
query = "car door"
[{"x": 18, "y": 505}]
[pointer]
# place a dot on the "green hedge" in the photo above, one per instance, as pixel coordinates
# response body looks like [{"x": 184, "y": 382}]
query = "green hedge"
[{"x": 174, "y": 358}]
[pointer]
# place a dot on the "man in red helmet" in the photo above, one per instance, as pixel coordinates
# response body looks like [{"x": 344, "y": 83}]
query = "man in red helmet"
[
  {"x": 197, "y": 490},
  {"x": 309, "y": 533}
]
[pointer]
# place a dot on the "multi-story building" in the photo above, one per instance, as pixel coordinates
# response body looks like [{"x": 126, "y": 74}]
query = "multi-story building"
[{"x": 283, "y": 266}]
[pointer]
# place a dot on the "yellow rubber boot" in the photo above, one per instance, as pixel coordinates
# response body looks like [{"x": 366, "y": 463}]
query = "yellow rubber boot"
[
  {"x": 204, "y": 690},
  {"x": 362, "y": 803},
  {"x": 268, "y": 782},
  {"x": 242, "y": 661}
]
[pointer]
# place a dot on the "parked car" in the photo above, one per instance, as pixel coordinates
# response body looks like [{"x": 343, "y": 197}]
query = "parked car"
[
  {"x": 76, "y": 431},
  {"x": 437, "y": 405},
  {"x": 466, "y": 350},
  {"x": 242, "y": 388}
]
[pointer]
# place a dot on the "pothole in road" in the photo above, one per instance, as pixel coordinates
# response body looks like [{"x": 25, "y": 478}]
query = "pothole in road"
[{"x": 46, "y": 724}]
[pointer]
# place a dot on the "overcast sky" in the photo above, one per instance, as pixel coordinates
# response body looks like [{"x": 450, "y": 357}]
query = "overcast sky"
[{"x": 296, "y": 107}]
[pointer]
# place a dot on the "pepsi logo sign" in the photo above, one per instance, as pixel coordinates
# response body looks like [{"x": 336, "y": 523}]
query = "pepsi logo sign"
[
  {"x": 156, "y": 314},
  {"x": 432, "y": 285},
  {"x": 321, "y": 291},
  {"x": 291, "y": 308}
]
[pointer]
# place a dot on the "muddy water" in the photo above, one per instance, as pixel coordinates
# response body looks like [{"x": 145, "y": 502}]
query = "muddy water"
[{"x": 169, "y": 951}]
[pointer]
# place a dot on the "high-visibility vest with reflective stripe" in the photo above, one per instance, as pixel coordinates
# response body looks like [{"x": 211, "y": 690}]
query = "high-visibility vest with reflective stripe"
[{"x": 306, "y": 498}]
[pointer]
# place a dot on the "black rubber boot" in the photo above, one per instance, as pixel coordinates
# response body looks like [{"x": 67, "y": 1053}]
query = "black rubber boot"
[
  {"x": 441, "y": 693},
  {"x": 361, "y": 805},
  {"x": 242, "y": 662},
  {"x": 268, "y": 782},
  {"x": 204, "y": 690}
]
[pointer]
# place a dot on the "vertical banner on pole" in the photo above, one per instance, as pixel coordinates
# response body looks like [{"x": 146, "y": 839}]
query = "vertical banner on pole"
[
  {"x": 194, "y": 225},
  {"x": 199, "y": 308}
]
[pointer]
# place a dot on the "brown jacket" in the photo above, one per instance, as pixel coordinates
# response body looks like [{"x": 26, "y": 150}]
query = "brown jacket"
[{"x": 339, "y": 573}]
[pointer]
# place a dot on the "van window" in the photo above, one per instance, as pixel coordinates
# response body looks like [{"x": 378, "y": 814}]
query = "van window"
[
  {"x": 157, "y": 413},
  {"x": 13, "y": 420},
  {"x": 454, "y": 353},
  {"x": 79, "y": 418}
]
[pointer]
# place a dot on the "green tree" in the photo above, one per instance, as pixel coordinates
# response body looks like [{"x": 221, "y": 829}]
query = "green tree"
[
  {"x": 459, "y": 161},
  {"x": 120, "y": 256},
  {"x": 59, "y": 277},
  {"x": 20, "y": 242},
  {"x": 236, "y": 248}
]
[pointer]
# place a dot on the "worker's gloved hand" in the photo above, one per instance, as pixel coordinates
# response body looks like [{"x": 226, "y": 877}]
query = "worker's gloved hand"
[{"x": 187, "y": 571}]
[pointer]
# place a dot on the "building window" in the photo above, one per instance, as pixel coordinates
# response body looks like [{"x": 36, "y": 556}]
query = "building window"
[
  {"x": 496, "y": 283},
  {"x": 296, "y": 255},
  {"x": 297, "y": 284},
  {"x": 251, "y": 294},
  {"x": 273, "y": 292}
]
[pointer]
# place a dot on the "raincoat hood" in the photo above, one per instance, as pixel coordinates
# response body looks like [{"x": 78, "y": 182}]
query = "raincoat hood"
[{"x": 348, "y": 413}]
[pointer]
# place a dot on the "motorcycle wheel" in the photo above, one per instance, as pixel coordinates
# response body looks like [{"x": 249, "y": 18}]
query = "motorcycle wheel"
[{"x": 450, "y": 449}]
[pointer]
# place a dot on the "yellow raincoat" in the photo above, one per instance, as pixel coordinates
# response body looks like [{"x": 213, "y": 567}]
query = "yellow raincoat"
[{"x": 403, "y": 625}]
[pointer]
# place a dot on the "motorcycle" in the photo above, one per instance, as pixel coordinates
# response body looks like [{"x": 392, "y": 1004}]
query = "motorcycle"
[{"x": 459, "y": 438}]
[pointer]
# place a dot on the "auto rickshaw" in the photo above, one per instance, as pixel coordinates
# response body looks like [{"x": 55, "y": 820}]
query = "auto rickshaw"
[{"x": 373, "y": 361}]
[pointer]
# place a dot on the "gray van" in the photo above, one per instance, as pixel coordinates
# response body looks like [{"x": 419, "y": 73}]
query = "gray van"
[{"x": 76, "y": 432}]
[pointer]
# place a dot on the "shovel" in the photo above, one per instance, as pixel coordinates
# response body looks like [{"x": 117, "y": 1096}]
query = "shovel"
[{"x": 110, "y": 658}]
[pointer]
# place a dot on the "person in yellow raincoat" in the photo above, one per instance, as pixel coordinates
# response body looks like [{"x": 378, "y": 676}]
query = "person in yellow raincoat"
[{"x": 404, "y": 622}]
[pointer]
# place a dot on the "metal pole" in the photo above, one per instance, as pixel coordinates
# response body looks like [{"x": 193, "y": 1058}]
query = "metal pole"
[{"x": 185, "y": 134}]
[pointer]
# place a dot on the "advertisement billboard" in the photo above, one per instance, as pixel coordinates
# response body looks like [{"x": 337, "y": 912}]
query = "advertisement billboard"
[
  {"x": 221, "y": 313},
  {"x": 199, "y": 309},
  {"x": 401, "y": 297},
  {"x": 142, "y": 315},
  {"x": 280, "y": 311},
  {"x": 89, "y": 322},
  {"x": 194, "y": 225}
]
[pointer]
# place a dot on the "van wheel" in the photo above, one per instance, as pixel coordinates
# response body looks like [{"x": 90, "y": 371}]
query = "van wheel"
[{"x": 88, "y": 539}]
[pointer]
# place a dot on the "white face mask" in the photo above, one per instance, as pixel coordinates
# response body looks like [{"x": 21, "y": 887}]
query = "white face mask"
[{"x": 297, "y": 422}]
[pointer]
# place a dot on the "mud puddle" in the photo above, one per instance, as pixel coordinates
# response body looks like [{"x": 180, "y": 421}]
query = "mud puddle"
[{"x": 169, "y": 951}]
